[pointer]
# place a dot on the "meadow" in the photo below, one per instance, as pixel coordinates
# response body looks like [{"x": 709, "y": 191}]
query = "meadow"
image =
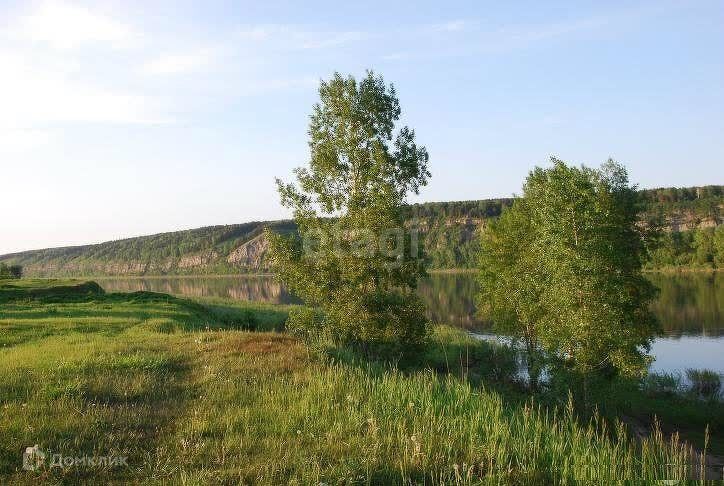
[{"x": 211, "y": 391}]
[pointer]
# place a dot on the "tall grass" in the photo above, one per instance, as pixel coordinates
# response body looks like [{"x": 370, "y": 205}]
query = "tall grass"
[
  {"x": 704, "y": 383},
  {"x": 339, "y": 423},
  {"x": 165, "y": 382}
]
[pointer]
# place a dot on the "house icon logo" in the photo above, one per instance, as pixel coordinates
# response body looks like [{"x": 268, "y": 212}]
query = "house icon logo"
[{"x": 33, "y": 458}]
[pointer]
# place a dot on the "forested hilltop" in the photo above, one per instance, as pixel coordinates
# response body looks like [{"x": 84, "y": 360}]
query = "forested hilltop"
[{"x": 690, "y": 217}]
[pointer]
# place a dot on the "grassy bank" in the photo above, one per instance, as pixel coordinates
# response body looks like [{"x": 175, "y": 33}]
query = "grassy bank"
[{"x": 208, "y": 392}]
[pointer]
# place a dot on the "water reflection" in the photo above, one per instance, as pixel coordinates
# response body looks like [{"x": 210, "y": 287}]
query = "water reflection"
[
  {"x": 251, "y": 288},
  {"x": 691, "y": 304},
  {"x": 450, "y": 299},
  {"x": 677, "y": 354},
  {"x": 688, "y": 305}
]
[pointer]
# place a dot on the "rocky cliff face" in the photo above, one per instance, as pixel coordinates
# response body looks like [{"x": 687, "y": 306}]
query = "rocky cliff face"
[
  {"x": 686, "y": 221},
  {"x": 250, "y": 255},
  {"x": 197, "y": 260}
]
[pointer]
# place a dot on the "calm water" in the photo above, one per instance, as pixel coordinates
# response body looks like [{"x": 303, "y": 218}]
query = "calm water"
[{"x": 690, "y": 308}]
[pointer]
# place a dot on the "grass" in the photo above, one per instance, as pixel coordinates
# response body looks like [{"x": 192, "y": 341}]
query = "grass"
[
  {"x": 189, "y": 395},
  {"x": 662, "y": 401},
  {"x": 705, "y": 384}
]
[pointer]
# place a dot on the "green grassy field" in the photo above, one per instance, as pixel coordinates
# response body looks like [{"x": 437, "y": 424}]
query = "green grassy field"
[{"x": 208, "y": 391}]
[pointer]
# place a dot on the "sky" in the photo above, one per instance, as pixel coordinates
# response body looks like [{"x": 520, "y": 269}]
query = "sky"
[{"x": 122, "y": 118}]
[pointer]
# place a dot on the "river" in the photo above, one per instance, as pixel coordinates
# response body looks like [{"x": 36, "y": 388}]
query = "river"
[{"x": 689, "y": 307}]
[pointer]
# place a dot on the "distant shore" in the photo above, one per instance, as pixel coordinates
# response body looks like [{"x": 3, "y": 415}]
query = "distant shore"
[
  {"x": 185, "y": 275},
  {"x": 436, "y": 271},
  {"x": 682, "y": 270}
]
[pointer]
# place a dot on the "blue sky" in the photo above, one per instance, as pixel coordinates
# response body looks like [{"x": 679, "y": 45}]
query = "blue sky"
[{"x": 122, "y": 118}]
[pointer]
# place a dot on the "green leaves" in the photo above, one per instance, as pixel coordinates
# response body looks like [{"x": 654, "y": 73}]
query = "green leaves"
[
  {"x": 562, "y": 269},
  {"x": 355, "y": 259}
]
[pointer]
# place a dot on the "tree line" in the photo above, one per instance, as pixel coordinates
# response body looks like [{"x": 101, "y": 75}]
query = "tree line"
[
  {"x": 10, "y": 271},
  {"x": 449, "y": 232},
  {"x": 702, "y": 247}
]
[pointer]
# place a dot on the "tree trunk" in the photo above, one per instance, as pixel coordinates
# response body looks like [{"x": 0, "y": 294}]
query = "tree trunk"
[{"x": 532, "y": 365}]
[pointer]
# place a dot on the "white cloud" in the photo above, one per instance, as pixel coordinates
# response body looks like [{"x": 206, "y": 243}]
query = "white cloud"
[
  {"x": 326, "y": 40},
  {"x": 451, "y": 26},
  {"x": 525, "y": 36},
  {"x": 19, "y": 141},
  {"x": 397, "y": 56},
  {"x": 292, "y": 37},
  {"x": 179, "y": 63},
  {"x": 65, "y": 26},
  {"x": 31, "y": 95},
  {"x": 262, "y": 32},
  {"x": 49, "y": 79},
  {"x": 292, "y": 83}
]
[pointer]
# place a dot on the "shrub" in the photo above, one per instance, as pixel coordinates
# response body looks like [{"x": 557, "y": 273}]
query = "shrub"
[
  {"x": 12, "y": 271},
  {"x": 304, "y": 322},
  {"x": 704, "y": 383},
  {"x": 661, "y": 384},
  {"x": 499, "y": 362},
  {"x": 247, "y": 320},
  {"x": 386, "y": 323},
  {"x": 228, "y": 317}
]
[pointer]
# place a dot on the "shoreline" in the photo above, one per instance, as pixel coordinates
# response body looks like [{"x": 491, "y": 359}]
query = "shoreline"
[
  {"x": 160, "y": 276},
  {"x": 436, "y": 271}
]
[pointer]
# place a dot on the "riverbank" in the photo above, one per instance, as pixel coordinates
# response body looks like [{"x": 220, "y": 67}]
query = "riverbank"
[
  {"x": 234, "y": 275},
  {"x": 154, "y": 376},
  {"x": 435, "y": 271},
  {"x": 678, "y": 269},
  {"x": 179, "y": 276}
]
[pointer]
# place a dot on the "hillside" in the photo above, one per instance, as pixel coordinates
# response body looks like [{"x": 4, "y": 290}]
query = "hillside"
[{"x": 449, "y": 229}]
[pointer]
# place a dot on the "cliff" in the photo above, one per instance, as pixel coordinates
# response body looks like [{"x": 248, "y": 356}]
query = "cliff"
[{"x": 448, "y": 229}]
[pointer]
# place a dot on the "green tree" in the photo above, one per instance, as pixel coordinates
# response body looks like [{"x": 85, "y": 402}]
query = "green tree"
[
  {"x": 719, "y": 246},
  {"x": 575, "y": 286},
  {"x": 665, "y": 252},
  {"x": 354, "y": 259},
  {"x": 510, "y": 288},
  {"x": 704, "y": 246},
  {"x": 10, "y": 271}
]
